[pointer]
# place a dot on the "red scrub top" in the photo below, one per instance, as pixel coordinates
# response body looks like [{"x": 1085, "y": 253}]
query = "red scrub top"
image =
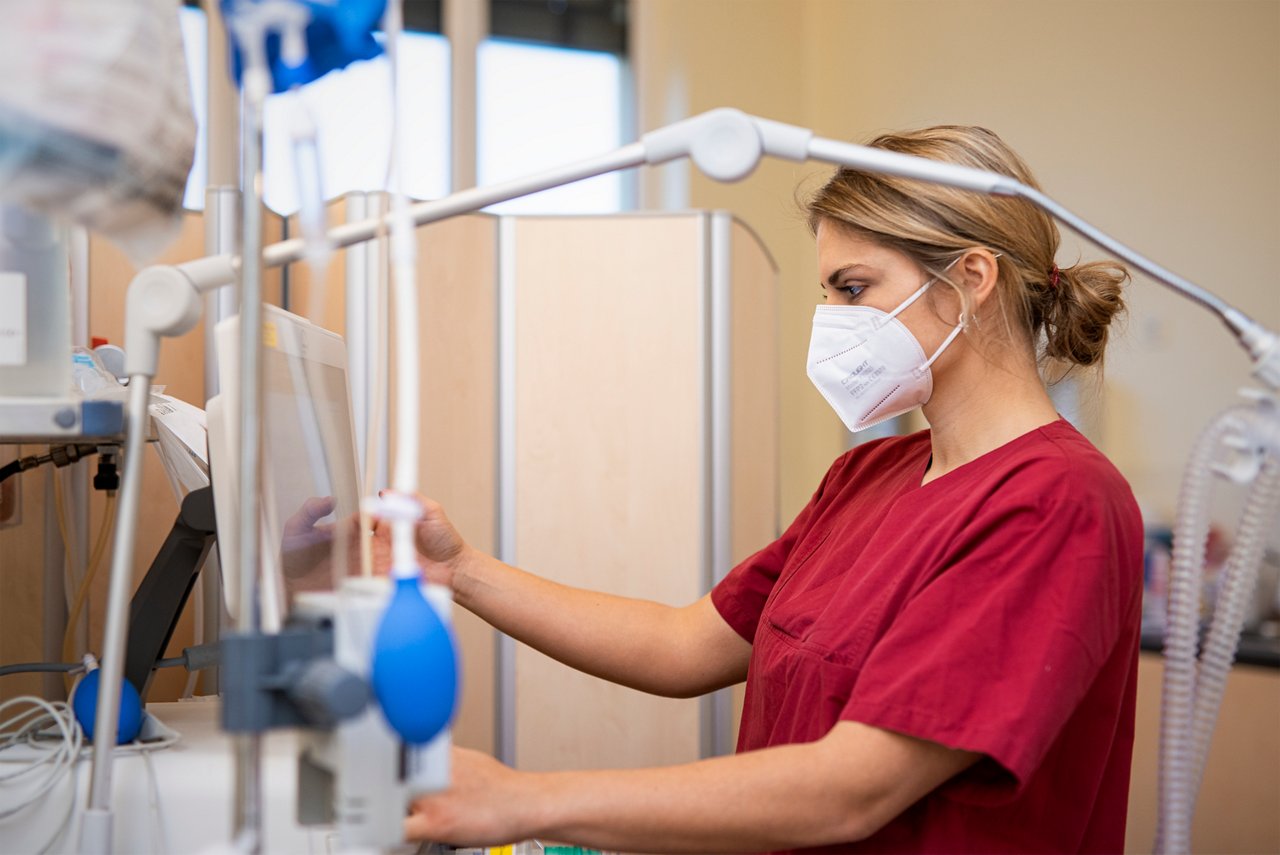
[{"x": 995, "y": 609}]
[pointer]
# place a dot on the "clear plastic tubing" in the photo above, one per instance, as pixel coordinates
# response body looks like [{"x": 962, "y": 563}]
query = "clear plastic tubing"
[
  {"x": 1192, "y": 693},
  {"x": 1240, "y": 581},
  {"x": 311, "y": 209}
]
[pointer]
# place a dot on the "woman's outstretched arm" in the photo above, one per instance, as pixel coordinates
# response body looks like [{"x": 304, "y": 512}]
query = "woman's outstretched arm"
[
  {"x": 665, "y": 650},
  {"x": 842, "y": 788}
]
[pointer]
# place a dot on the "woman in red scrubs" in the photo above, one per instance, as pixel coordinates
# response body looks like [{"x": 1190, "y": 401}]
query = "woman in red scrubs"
[{"x": 940, "y": 652}]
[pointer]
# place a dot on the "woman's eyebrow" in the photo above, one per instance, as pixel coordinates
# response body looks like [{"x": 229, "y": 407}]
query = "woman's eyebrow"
[{"x": 848, "y": 268}]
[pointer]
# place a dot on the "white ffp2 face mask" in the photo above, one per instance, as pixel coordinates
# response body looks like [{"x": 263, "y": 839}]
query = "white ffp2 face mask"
[{"x": 868, "y": 365}]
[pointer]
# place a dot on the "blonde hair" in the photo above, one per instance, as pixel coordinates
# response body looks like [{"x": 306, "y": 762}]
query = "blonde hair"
[{"x": 933, "y": 224}]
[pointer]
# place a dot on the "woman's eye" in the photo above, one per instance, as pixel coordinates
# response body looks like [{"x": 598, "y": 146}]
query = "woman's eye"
[
  {"x": 845, "y": 292},
  {"x": 849, "y": 291}
]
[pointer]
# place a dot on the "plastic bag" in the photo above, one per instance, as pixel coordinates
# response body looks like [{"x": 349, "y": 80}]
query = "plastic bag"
[{"x": 95, "y": 116}]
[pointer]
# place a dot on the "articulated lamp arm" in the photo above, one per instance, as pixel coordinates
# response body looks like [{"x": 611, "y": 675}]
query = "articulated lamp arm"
[{"x": 727, "y": 145}]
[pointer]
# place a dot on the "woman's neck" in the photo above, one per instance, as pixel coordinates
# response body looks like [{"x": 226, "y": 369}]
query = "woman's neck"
[{"x": 979, "y": 406}]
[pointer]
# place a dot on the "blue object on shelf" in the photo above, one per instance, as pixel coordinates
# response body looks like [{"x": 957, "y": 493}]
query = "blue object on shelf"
[
  {"x": 415, "y": 666},
  {"x": 338, "y": 34},
  {"x": 84, "y": 703},
  {"x": 102, "y": 418}
]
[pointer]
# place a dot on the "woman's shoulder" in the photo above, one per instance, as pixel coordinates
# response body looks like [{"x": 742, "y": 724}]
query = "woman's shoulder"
[
  {"x": 1074, "y": 464},
  {"x": 1057, "y": 473}
]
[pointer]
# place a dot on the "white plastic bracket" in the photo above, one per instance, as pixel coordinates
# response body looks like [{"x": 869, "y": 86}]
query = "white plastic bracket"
[
  {"x": 161, "y": 302},
  {"x": 164, "y": 301},
  {"x": 1264, "y": 346}
]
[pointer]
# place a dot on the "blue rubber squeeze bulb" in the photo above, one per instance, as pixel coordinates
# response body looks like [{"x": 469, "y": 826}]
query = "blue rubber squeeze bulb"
[
  {"x": 84, "y": 704},
  {"x": 415, "y": 666}
]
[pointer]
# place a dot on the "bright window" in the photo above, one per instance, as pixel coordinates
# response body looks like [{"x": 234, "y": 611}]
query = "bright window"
[
  {"x": 541, "y": 107},
  {"x": 351, "y": 110},
  {"x": 196, "y": 47}
]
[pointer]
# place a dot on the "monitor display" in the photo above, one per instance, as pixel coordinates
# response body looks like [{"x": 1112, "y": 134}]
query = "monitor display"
[{"x": 310, "y": 487}]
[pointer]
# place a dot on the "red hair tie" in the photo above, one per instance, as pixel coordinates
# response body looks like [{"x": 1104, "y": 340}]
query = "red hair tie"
[{"x": 1053, "y": 278}]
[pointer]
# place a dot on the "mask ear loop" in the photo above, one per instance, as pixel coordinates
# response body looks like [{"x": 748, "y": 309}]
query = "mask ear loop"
[
  {"x": 916, "y": 296},
  {"x": 946, "y": 342},
  {"x": 902, "y": 307}
]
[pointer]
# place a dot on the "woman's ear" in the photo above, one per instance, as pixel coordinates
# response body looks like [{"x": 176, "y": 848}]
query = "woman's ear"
[{"x": 978, "y": 273}]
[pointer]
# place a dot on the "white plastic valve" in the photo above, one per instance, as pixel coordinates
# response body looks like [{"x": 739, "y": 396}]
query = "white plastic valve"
[
  {"x": 1265, "y": 429},
  {"x": 402, "y": 512},
  {"x": 392, "y": 506}
]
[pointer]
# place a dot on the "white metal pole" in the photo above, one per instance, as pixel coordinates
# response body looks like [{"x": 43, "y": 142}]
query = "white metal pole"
[
  {"x": 466, "y": 24},
  {"x": 96, "y": 823},
  {"x": 78, "y": 517},
  {"x": 248, "y": 746},
  {"x": 508, "y": 365},
  {"x": 221, "y": 217}
]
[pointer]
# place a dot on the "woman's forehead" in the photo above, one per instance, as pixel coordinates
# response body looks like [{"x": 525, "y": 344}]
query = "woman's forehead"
[{"x": 840, "y": 247}]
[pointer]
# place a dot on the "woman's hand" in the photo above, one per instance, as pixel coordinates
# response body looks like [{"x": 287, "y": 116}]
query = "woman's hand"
[
  {"x": 441, "y": 548},
  {"x": 486, "y": 805}
]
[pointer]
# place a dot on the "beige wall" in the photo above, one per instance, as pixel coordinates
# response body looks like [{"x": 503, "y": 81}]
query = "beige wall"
[{"x": 1156, "y": 120}]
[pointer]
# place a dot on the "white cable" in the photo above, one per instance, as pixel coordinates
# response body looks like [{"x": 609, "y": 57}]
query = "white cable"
[{"x": 25, "y": 728}]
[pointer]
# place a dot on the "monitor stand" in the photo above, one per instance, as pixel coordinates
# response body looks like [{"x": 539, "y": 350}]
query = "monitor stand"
[{"x": 159, "y": 600}]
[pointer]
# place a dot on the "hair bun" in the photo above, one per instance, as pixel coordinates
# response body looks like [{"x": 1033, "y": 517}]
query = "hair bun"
[{"x": 1086, "y": 299}]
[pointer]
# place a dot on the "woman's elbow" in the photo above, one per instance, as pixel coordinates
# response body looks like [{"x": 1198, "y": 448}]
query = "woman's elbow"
[{"x": 852, "y": 820}]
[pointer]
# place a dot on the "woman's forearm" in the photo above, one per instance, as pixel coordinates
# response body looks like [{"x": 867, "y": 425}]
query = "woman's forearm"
[
  {"x": 841, "y": 788},
  {"x": 778, "y": 798},
  {"x": 679, "y": 652}
]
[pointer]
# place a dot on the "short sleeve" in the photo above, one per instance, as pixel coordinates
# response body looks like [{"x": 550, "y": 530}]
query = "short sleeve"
[
  {"x": 995, "y": 651},
  {"x": 741, "y": 596}
]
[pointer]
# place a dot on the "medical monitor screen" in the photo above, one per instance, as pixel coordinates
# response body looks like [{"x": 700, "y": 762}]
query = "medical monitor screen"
[
  {"x": 309, "y": 481},
  {"x": 310, "y": 487}
]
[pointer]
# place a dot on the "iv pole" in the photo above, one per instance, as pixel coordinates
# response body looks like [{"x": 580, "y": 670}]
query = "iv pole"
[{"x": 725, "y": 144}]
